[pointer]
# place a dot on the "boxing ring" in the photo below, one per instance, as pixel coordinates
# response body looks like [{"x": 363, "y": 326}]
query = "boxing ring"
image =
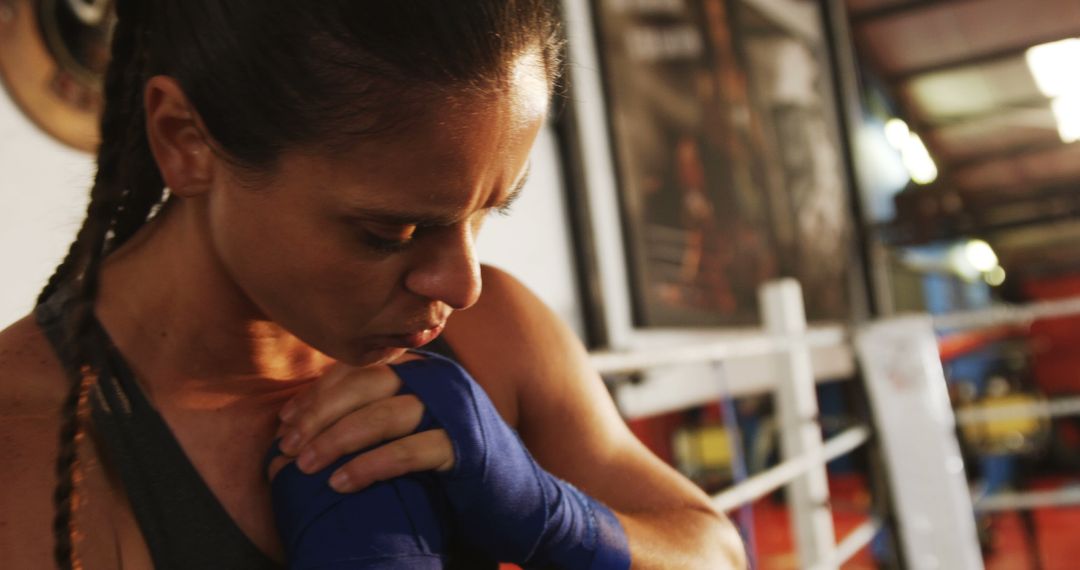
[{"x": 913, "y": 422}]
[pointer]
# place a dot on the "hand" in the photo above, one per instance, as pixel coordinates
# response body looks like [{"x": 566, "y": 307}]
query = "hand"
[
  {"x": 347, "y": 411},
  {"x": 503, "y": 501},
  {"x": 354, "y": 409}
]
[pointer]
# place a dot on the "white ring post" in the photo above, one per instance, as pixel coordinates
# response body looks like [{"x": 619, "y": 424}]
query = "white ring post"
[
  {"x": 800, "y": 433},
  {"x": 915, "y": 424}
]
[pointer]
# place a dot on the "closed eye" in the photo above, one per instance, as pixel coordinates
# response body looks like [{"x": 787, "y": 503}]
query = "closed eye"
[
  {"x": 503, "y": 208},
  {"x": 387, "y": 237},
  {"x": 385, "y": 245}
]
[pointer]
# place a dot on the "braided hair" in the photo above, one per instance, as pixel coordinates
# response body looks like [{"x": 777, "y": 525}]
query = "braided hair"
[
  {"x": 362, "y": 66},
  {"x": 126, "y": 187}
]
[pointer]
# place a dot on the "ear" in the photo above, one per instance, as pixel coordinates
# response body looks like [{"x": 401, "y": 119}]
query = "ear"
[{"x": 177, "y": 138}]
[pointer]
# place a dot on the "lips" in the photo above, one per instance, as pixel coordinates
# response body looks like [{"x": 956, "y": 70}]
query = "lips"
[{"x": 414, "y": 339}]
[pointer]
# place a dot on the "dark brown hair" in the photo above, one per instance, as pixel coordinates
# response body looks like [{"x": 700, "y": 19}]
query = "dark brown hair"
[{"x": 266, "y": 76}]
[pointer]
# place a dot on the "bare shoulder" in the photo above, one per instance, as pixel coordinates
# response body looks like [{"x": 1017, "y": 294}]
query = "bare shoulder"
[
  {"x": 32, "y": 389},
  {"x": 32, "y": 382},
  {"x": 520, "y": 350},
  {"x": 510, "y": 340},
  {"x": 509, "y": 315}
]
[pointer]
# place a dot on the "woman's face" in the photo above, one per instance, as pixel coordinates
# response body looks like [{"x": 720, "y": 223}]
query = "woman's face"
[{"x": 366, "y": 253}]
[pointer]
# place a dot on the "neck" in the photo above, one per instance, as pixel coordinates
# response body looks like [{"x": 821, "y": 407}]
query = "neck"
[{"x": 178, "y": 317}]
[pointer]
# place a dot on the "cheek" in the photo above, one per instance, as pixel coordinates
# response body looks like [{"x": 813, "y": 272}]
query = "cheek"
[
  {"x": 298, "y": 269},
  {"x": 290, "y": 263}
]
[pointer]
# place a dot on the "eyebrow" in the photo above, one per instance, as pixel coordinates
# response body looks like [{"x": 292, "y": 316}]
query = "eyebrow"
[{"x": 399, "y": 217}]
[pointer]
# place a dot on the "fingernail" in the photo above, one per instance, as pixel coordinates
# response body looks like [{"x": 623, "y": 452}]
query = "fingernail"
[
  {"x": 291, "y": 444},
  {"x": 306, "y": 460},
  {"x": 288, "y": 411},
  {"x": 340, "y": 482}
]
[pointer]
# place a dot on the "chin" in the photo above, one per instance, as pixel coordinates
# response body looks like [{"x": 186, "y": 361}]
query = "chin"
[{"x": 368, "y": 356}]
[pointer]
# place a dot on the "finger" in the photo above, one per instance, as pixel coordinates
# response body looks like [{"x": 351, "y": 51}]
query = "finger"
[
  {"x": 323, "y": 404},
  {"x": 327, "y": 383},
  {"x": 379, "y": 421},
  {"x": 276, "y": 465},
  {"x": 332, "y": 379},
  {"x": 292, "y": 406},
  {"x": 425, "y": 451}
]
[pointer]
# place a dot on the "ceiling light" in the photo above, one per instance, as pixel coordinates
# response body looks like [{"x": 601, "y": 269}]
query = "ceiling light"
[
  {"x": 917, "y": 160},
  {"x": 1067, "y": 113},
  {"x": 1054, "y": 67},
  {"x": 980, "y": 255},
  {"x": 995, "y": 277},
  {"x": 897, "y": 133}
]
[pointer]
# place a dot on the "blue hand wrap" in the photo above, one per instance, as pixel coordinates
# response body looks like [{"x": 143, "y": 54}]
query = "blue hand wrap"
[
  {"x": 503, "y": 501},
  {"x": 391, "y": 525}
]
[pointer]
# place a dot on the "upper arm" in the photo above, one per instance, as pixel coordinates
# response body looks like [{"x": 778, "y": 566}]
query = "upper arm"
[
  {"x": 29, "y": 428},
  {"x": 539, "y": 375},
  {"x": 33, "y": 387}
]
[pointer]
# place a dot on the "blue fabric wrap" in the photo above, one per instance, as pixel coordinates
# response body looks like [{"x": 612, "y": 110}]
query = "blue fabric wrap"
[
  {"x": 503, "y": 502},
  {"x": 391, "y": 525},
  {"x": 499, "y": 498}
]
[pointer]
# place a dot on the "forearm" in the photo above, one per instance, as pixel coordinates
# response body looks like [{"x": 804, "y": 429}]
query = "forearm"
[{"x": 682, "y": 538}]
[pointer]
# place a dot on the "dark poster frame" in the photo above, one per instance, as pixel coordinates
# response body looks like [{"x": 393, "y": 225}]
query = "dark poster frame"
[
  {"x": 754, "y": 254},
  {"x": 579, "y": 214}
]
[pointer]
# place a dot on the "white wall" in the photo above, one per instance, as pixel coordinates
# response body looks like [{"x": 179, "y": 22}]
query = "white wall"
[
  {"x": 534, "y": 243},
  {"x": 43, "y": 193}
]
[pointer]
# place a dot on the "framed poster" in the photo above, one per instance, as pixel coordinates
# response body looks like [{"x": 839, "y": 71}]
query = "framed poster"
[{"x": 727, "y": 155}]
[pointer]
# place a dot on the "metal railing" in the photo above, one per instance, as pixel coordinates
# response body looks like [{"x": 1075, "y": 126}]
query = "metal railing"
[
  {"x": 787, "y": 342},
  {"x": 901, "y": 366}
]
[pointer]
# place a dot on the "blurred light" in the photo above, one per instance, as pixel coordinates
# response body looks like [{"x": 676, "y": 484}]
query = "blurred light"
[
  {"x": 980, "y": 255},
  {"x": 1054, "y": 67},
  {"x": 897, "y": 133},
  {"x": 995, "y": 276},
  {"x": 1067, "y": 113},
  {"x": 913, "y": 154},
  {"x": 917, "y": 160},
  {"x": 881, "y": 173}
]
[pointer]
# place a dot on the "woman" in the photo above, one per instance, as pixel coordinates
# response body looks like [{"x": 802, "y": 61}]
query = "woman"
[{"x": 328, "y": 165}]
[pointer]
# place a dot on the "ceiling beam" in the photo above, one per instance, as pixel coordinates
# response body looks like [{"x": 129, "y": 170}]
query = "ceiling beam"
[
  {"x": 874, "y": 15},
  {"x": 984, "y": 214},
  {"x": 922, "y": 124},
  {"x": 1024, "y": 212},
  {"x": 1009, "y": 204},
  {"x": 971, "y": 60},
  {"x": 1047, "y": 192},
  {"x": 905, "y": 232},
  {"x": 1011, "y": 153}
]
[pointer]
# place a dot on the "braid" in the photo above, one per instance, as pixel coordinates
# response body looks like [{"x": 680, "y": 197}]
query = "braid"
[
  {"x": 143, "y": 185},
  {"x": 66, "y": 467},
  {"x": 123, "y": 157},
  {"x": 126, "y": 188}
]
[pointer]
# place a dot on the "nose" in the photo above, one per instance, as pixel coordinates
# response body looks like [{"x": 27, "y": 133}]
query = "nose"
[{"x": 449, "y": 271}]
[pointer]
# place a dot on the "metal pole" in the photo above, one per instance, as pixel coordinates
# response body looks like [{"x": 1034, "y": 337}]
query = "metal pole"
[
  {"x": 1054, "y": 408},
  {"x": 800, "y": 434},
  {"x": 761, "y": 484},
  {"x": 916, "y": 427},
  {"x": 745, "y": 516}
]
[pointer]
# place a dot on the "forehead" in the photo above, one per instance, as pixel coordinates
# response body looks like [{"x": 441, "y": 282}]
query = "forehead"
[{"x": 457, "y": 153}]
